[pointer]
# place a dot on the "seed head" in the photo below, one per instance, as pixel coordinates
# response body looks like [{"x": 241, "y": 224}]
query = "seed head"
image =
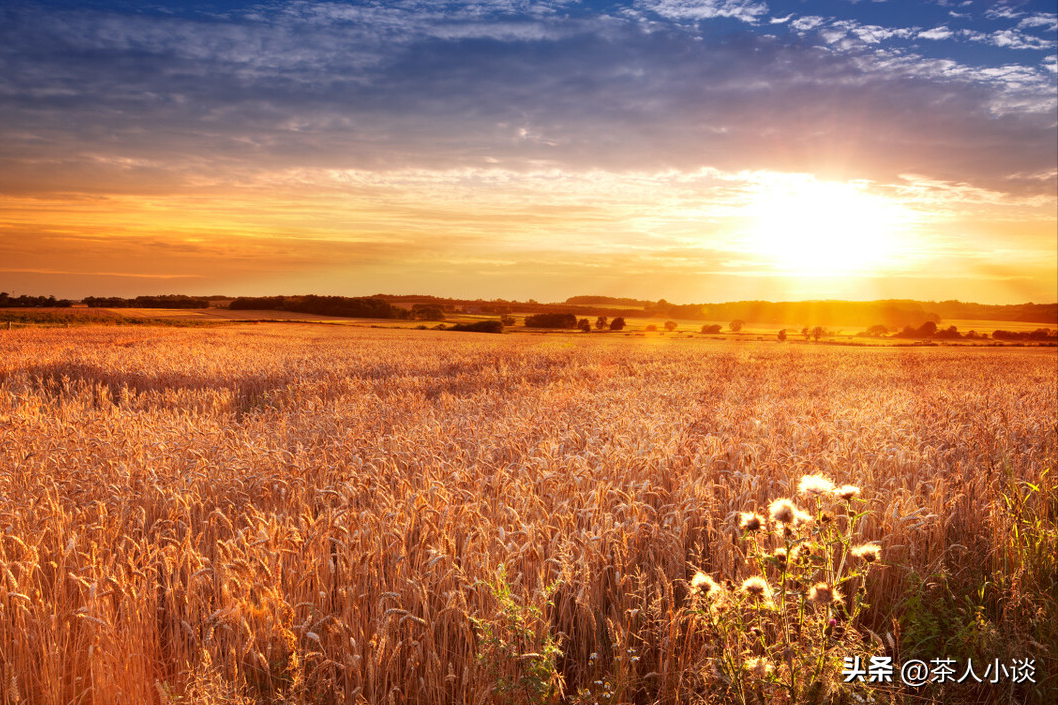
[
  {"x": 815, "y": 485},
  {"x": 782, "y": 511},
  {"x": 704, "y": 586},
  {"x": 781, "y": 556},
  {"x": 822, "y": 594},
  {"x": 802, "y": 518},
  {"x": 750, "y": 521},
  {"x": 760, "y": 667},
  {"x": 757, "y": 588},
  {"x": 847, "y": 492},
  {"x": 869, "y": 552}
]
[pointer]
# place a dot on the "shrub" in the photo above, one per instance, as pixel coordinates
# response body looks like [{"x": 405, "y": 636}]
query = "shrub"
[
  {"x": 551, "y": 320},
  {"x": 493, "y": 326},
  {"x": 617, "y": 323},
  {"x": 711, "y": 329}
]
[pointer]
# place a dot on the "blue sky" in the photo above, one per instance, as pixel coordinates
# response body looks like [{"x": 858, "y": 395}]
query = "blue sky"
[{"x": 465, "y": 147}]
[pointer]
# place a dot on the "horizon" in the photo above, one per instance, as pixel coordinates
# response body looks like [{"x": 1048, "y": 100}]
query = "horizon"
[
  {"x": 535, "y": 301},
  {"x": 689, "y": 150}
]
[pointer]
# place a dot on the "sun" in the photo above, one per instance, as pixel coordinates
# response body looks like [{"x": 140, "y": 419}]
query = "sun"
[{"x": 814, "y": 228}]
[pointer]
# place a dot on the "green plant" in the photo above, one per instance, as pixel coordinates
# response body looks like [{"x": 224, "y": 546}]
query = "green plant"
[
  {"x": 785, "y": 633},
  {"x": 516, "y": 646}
]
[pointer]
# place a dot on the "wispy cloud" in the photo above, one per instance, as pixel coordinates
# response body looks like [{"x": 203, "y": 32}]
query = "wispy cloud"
[{"x": 744, "y": 10}]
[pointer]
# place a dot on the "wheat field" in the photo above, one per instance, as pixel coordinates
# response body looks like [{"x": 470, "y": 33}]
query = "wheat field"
[{"x": 290, "y": 513}]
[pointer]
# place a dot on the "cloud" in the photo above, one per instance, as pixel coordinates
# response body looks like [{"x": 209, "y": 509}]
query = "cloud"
[
  {"x": 744, "y": 10},
  {"x": 94, "y": 103},
  {"x": 936, "y": 33},
  {"x": 1010, "y": 39},
  {"x": 1048, "y": 21}
]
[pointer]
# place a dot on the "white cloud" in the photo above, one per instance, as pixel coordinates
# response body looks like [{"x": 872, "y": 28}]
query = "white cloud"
[
  {"x": 935, "y": 33},
  {"x": 805, "y": 24},
  {"x": 744, "y": 10},
  {"x": 1048, "y": 21},
  {"x": 1013, "y": 39},
  {"x": 1001, "y": 11}
]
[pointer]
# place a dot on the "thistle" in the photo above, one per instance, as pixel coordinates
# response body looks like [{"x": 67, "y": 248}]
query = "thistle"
[
  {"x": 750, "y": 521},
  {"x": 823, "y": 594},
  {"x": 814, "y": 485},
  {"x": 868, "y": 552}
]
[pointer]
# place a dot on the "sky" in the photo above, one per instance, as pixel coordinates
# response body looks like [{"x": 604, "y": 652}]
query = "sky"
[{"x": 692, "y": 150}]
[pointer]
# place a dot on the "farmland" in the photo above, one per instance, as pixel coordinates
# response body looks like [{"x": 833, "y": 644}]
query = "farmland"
[{"x": 332, "y": 514}]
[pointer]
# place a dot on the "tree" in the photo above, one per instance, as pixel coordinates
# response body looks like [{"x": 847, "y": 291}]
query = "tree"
[
  {"x": 600, "y": 323},
  {"x": 584, "y": 325},
  {"x": 736, "y": 325},
  {"x": 617, "y": 323},
  {"x": 926, "y": 330},
  {"x": 427, "y": 313},
  {"x": 507, "y": 319},
  {"x": 711, "y": 329},
  {"x": 551, "y": 320},
  {"x": 806, "y": 333},
  {"x": 819, "y": 332},
  {"x": 877, "y": 331},
  {"x": 782, "y": 335},
  {"x": 651, "y": 328},
  {"x": 671, "y": 326}
]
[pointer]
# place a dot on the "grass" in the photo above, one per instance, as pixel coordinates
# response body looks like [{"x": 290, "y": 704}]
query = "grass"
[{"x": 329, "y": 514}]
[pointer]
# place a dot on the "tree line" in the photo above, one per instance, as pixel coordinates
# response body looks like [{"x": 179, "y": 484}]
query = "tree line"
[
  {"x": 163, "y": 301},
  {"x": 23, "y": 301},
  {"x": 350, "y": 307}
]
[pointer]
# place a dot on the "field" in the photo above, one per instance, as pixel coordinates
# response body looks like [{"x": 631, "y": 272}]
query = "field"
[{"x": 288, "y": 513}]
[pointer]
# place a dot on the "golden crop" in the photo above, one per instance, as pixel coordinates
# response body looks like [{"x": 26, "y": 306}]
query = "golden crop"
[{"x": 319, "y": 514}]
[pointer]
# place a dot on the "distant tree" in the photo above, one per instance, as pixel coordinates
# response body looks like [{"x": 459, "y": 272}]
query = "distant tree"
[
  {"x": 877, "y": 331},
  {"x": 926, "y": 330},
  {"x": 819, "y": 332},
  {"x": 601, "y": 323},
  {"x": 507, "y": 319},
  {"x": 806, "y": 333},
  {"x": 949, "y": 333},
  {"x": 651, "y": 328},
  {"x": 671, "y": 326},
  {"x": 551, "y": 320},
  {"x": 585, "y": 325},
  {"x": 490, "y": 326},
  {"x": 782, "y": 335},
  {"x": 617, "y": 323},
  {"x": 711, "y": 329},
  {"x": 736, "y": 325},
  {"x": 427, "y": 313}
]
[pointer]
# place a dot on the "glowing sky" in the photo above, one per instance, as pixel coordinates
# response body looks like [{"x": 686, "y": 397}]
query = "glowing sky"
[{"x": 696, "y": 150}]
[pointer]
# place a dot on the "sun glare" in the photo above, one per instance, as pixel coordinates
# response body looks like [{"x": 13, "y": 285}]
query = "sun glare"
[{"x": 812, "y": 228}]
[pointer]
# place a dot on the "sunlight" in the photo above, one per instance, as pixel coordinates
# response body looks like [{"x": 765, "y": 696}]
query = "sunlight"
[{"x": 814, "y": 228}]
